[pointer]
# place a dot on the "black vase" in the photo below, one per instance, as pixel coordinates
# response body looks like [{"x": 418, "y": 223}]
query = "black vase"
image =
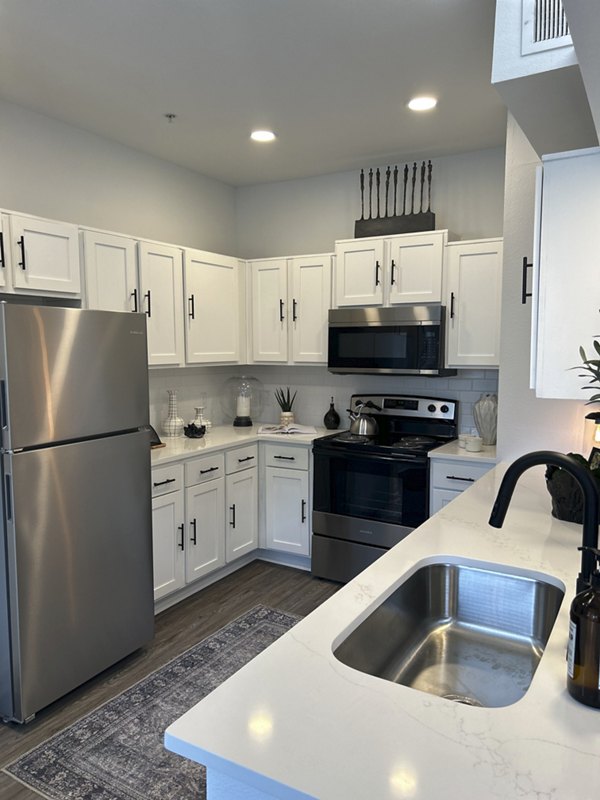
[{"x": 331, "y": 420}]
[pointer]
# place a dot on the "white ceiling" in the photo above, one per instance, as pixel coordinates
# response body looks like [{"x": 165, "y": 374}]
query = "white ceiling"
[{"x": 331, "y": 77}]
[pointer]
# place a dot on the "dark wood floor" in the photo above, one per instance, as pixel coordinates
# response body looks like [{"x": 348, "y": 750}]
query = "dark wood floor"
[{"x": 177, "y": 628}]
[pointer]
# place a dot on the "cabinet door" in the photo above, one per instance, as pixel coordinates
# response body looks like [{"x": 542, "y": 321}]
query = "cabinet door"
[
  {"x": 241, "y": 534},
  {"x": 287, "y": 510},
  {"x": 45, "y": 256},
  {"x": 110, "y": 270},
  {"x": 269, "y": 310},
  {"x": 415, "y": 268},
  {"x": 310, "y": 299},
  {"x": 161, "y": 290},
  {"x": 568, "y": 292},
  {"x": 440, "y": 498},
  {"x": 4, "y": 251},
  {"x": 205, "y": 539},
  {"x": 474, "y": 303},
  {"x": 212, "y": 314},
  {"x": 168, "y": 543},
  {"x": 359, "y": 272}
]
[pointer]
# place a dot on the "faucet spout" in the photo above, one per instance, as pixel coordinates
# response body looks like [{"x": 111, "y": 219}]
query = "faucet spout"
[{"x": 588, "y": 486}]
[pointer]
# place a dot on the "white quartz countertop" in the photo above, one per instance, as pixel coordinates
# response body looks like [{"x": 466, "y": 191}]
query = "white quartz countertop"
[
  {"x": 295, "y": 722},
  {"x": 452, "y": 451},
  {"x": 223, "y": 437}
]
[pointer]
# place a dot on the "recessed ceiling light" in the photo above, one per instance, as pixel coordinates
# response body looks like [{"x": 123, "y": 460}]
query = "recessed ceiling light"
[
  {"x": 262, "y": 136},
  {"x": 422, "y": 103}
]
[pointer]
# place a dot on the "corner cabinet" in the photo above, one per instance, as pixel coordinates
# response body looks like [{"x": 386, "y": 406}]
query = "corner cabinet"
[
  {"x": 40, "y": 256},
  {"x": 390, "y": 270},
  {"x": 473, "y": 303},
  {"x": 161, "y": 299},
  {"x": 212, "y": 312},
  {"x": 287, "y": 499},
  {"x": 565, "y": 273},
  {"x": 290, "y": 304}
]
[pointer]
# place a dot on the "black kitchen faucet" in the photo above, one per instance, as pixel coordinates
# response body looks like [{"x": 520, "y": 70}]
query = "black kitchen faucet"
[{"x": 590, "y": 495}]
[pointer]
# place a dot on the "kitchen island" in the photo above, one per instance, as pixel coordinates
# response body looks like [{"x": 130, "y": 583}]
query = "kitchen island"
[{"x": 295, "y": 722}]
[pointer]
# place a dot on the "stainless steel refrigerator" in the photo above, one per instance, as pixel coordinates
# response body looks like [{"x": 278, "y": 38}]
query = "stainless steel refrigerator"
[{"x": 76, "y": 555}]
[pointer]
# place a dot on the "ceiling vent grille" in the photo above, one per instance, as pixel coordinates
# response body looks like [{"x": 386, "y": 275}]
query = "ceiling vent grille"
[{"x": 544, "y": 27}]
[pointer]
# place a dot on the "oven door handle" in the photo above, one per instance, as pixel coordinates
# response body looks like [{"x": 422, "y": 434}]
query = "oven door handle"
[{"x": 407, "y": 458}]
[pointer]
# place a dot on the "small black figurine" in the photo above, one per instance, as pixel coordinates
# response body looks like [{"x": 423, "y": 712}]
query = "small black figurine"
[
  {"x": 194, "y": 431},
  {"x": 331, "y": 420}
]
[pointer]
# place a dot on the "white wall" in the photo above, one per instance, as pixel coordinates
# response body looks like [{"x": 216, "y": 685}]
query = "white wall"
[
  {"x": 58, "y": 171},
  {"x": 525, "y": 422},
  {"x": 308, "y": 215}
]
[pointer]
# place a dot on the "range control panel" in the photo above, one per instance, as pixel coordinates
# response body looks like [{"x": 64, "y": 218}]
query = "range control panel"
[{"x": 406, "y": 406}]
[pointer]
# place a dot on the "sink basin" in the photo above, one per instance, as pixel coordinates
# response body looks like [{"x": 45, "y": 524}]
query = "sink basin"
[{"x": 473, "y": 634}]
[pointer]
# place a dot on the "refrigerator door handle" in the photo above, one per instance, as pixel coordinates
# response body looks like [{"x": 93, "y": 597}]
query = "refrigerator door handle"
[
  {"x": 8, "y": 497},
  {"x": 3, "y": 414}
]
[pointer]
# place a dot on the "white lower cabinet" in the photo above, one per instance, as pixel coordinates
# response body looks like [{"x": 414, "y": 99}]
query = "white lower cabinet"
[
  {"x": 205, "y": 515},
  {"x": 168, "y": 530},
  {"x": 287, "y": 499},
  {"x": 241, "y": 491},
  {"x": 450, "y": 477}
]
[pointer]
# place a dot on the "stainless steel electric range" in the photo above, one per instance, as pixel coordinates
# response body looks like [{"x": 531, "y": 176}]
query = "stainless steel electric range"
[{"x": 370, "y": 492}]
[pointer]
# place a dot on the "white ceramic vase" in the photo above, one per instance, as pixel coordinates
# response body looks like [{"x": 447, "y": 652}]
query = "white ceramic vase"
[
  {"x": 287, "y": 418},
  {"x": 485, "y": 413},
  {"x": 173, "y": 424}
]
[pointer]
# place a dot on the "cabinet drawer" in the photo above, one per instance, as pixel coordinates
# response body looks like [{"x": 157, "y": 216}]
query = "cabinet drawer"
[
  {"x": 203, "y": 469},
  {"x": 456, "y": 475},
  {"x": 290, "y": 457},
  {"x": 241, "y": 458},
  {"x": 167, "y": 479}
]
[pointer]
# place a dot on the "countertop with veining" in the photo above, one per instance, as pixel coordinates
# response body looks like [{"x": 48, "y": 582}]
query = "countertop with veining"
[{"x": 295, "y": 722}]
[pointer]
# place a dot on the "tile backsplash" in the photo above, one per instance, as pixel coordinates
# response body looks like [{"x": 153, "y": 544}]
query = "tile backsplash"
[{"x": 315, "y": 387}]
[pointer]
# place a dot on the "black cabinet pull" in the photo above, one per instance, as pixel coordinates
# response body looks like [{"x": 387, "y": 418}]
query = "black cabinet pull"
[
  {"x": 210, "y": 469},
  {"x": 451, "y": 305},
  {"x": 393, "y": 280},
  {"x": 162, "y": 483},
  {"x": 458, "y": 478},
  {"x": 191, "y": 306},
  {"x": 147, "y": 296},
  {"x": 524, "y": 293},
  {"x": 232, "y": 521},
  {"x": 303, "y": 511},
  {"x": 248, "y": 458},
  {"x": 135, "y": 301},
  {"x": 377, "y": 268},
  {"x": 181, "y": 544},
  {"x": 294, "y": 310},
  {"x": 193, "y": 536},
  {"x": 286, "y": 458},
  {"x": 281, "y": 317},
  {"x": 21, "y": 243},
  {"x": 2, "y": 261}
]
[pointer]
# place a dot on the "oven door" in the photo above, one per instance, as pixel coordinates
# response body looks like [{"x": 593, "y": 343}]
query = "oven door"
[
  {"x": 386, "y": 348},
  {"x": 368, "y": 498}
]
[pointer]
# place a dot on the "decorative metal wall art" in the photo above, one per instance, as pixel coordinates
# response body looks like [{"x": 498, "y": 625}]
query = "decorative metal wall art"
[{"x": 405, "y": 214}]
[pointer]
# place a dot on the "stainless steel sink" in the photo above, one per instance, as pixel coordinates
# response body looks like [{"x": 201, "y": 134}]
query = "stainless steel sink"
[{"x": 467, "y": 633}]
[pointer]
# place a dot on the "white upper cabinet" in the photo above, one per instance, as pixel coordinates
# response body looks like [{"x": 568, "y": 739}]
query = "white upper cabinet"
[
  {"x": 212, "y": 313},
  {"x": 110, "y": 271},
  {"x": 390, "y": 270},
  {"x": 415, "y": 268},
  {"x": 161, "y": 298},
  {"x": 309, "y": 301},
  {"x": 269, "y": 310},
  {"x": 290, "y": 303},
  {"x": 358, "y": 272},
  {"x": 44, "y": 256},
  {"x": 473, "y": 303},
  {"x": 568, "y": 310}
]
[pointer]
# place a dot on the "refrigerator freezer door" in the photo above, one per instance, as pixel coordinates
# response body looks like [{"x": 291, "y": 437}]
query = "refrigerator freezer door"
[
  {"x": 70, "y": 374},
  {"x": 79, "y": 564}
]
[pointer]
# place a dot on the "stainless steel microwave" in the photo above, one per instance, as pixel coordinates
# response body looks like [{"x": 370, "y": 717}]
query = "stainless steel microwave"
[{"x": 403, "y": 340}]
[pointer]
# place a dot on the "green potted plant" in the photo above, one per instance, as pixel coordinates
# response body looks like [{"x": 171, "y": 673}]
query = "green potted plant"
[
  {"x": 286, "y": 402},
  {"x": 567, "y": 497}
]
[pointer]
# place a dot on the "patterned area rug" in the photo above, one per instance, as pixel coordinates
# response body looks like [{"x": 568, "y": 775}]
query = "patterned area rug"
[{"x": 117, "y": 752}]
